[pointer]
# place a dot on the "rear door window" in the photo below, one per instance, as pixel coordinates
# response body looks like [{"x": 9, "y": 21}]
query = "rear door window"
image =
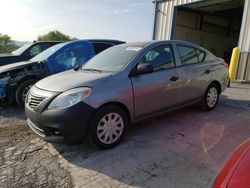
[
  {"x": 201, "y": 55},
  {"x": 100, "y": 46},
  {"x": 187, "y": 55}
]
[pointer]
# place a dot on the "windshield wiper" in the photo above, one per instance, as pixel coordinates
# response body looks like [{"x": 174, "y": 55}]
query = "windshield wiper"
[{"x": 92, "y": 70}]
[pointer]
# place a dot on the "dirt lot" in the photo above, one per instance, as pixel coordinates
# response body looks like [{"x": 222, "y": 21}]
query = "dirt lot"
[{"x": 182, "y": 149}]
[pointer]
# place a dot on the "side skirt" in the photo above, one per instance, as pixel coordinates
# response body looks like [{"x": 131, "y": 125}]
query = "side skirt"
[{"x": 165, "y": 111}]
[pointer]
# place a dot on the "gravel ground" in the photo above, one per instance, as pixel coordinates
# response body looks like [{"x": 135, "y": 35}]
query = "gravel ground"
[
  {"x": 182, "y": 149},
  {"x": 24, "y": 160}
]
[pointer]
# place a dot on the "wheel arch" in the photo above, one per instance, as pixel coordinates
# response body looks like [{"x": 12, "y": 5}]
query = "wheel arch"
[
  {"x": 120, "y": 105},
  {"x": 16, "y": 91},
  {"x": 217, "y": 83},
  {"x": 25, "y": 78},
  {"x": 13, "y": 85}
]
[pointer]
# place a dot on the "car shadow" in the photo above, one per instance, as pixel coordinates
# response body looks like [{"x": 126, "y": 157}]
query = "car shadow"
[
  {"x": 12, "y": 111},
  {"x": 238, "y": 103},
  {"x": 135, "y": 154},
  {"x": 160, "y": 148}
]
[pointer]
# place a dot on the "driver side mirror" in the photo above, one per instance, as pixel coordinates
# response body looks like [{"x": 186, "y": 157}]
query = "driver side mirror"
[{"x": 144, "y": 68}]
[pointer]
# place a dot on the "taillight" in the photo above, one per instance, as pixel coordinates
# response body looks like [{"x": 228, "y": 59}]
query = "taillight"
[{"x": 225, "y": 65}]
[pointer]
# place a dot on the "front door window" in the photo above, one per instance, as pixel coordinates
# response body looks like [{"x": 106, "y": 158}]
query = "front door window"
[{"x": 161, "y": 58}]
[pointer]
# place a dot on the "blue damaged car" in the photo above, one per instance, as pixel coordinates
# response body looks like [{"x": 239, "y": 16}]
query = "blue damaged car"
[{"x": 16, "y": 79}]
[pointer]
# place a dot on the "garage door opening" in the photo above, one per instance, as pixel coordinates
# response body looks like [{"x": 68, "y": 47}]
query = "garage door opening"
[{"x": 214, "y": 25}]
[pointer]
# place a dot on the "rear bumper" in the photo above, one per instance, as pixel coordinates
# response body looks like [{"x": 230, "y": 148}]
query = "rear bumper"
[
  {"x": 67, "y": 125},
  {"x": 224, "y": 84}
]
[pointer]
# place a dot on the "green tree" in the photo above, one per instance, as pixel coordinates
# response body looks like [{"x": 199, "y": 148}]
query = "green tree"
[
  {"x": 6, "y": 44},
  {"x": 55, "y": 36}
]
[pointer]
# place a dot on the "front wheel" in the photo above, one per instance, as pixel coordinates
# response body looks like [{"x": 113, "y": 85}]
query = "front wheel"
[
  {"x": 22, "y": 90},
  {"x": 108, "y": 126},
  {"x": 210, "y": 98}
]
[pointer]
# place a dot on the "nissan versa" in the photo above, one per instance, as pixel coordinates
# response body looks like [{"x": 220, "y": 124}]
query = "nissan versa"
[
  {"x": 122, "y": 85},
  {"x": 17, "y": 78}
]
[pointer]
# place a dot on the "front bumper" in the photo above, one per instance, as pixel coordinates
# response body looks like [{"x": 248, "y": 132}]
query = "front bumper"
[
  {"x": 7, "y": 94},
  {"x": 4, "y": 96},
  {"x": 67, "y": 125},
  {"x": 3, "y": 84}
]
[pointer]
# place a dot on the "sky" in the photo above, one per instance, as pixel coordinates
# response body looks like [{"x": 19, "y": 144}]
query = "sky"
[{"x": 128, "y": 20}]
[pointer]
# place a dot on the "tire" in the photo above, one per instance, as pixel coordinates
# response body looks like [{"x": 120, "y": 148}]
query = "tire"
[
  {"x": 22, "y": 91},
  {"x": 100, "y": 124},
  {"x": 210, "y": 98}
]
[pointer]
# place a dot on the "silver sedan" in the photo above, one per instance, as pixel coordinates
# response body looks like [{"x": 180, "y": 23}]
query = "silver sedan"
[{"x": 122, "y": 85}]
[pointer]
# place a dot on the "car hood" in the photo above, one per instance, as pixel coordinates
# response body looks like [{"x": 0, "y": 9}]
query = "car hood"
[
  {"x": 71, "y": 79},
  {"x": 13, "y": 66}
]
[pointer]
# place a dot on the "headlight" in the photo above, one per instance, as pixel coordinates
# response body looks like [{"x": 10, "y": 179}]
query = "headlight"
[{"x": 70, "y": 98}]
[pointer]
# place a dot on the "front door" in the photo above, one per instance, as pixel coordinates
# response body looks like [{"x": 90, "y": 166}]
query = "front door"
[{"x": 161, "y": 89}]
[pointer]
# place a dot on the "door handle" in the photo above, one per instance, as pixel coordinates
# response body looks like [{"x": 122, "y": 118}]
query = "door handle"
[
  {"x": 207, "y": 71},
  {"x": 174, "y": 78}
]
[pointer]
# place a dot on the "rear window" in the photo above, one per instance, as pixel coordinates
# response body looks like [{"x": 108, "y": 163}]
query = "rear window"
[{"x": 99, "y": 47}]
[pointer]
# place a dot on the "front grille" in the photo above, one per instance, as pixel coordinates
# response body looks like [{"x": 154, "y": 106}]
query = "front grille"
[{"x": 34, "y": 100}]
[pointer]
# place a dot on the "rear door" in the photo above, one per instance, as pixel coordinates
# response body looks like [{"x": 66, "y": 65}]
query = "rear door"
[
  {"x": 161, "y": 89},
  {"x": 194, "y": 72}
]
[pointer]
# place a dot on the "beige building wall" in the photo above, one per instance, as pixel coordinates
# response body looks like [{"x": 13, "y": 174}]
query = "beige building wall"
[{"x": 186, "y": 30}]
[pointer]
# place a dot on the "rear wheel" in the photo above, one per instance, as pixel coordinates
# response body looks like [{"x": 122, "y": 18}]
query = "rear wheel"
[
  {"x": 210, "y": 98},
  {"x": 22, "y": 90},
  {"x": 108, "y": 126}
]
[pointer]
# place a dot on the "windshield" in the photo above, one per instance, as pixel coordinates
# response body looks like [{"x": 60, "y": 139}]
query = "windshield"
[
  {"x": 112, "y": 59},
  {"x": 20, "y": 50},
  {"x": 42, "y": 56}
]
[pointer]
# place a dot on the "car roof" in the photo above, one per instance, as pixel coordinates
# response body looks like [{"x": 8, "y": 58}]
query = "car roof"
[
  {"x": 146, "y": 43},
  {"x": 90, "y": 40},
  {"x": 36, "y": 42},
  {"x": 107, "y": 41},
  {"x": 96, "y": 41},
  {"x": 137, "y": 44}
]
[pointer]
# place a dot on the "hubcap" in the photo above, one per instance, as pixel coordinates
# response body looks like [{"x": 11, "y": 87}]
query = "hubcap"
[
  {"x": 25, "y": 92},
  {"x": 110, "y": 128},
  {"x": 212, "y": 97}
]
